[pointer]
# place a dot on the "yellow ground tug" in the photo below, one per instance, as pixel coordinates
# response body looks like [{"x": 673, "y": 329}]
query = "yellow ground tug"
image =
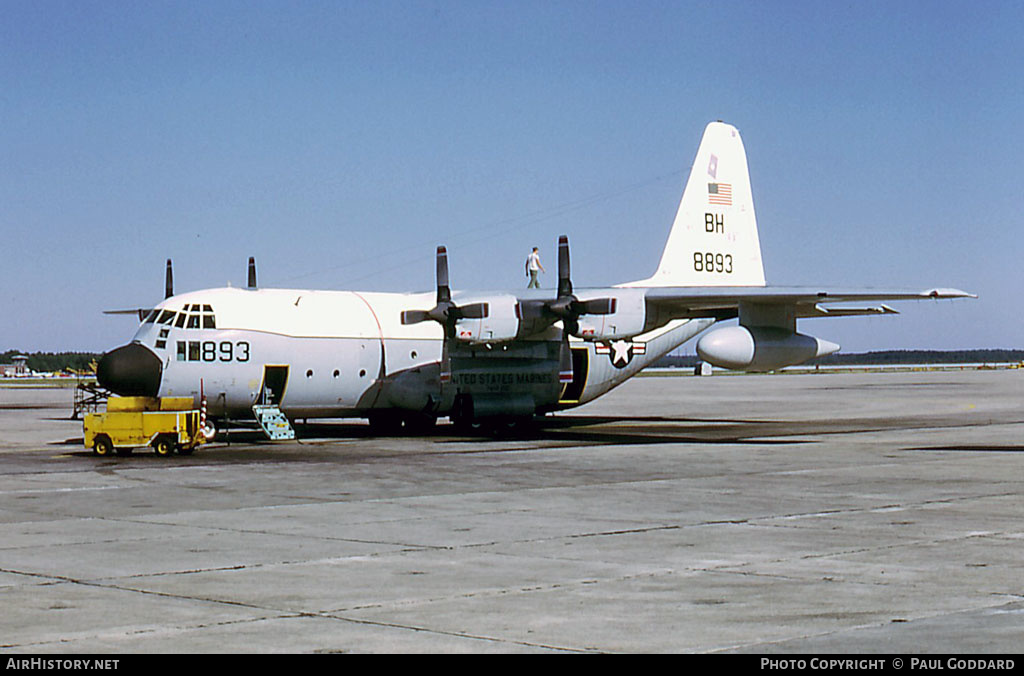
[{"x": 168, "y": 424}]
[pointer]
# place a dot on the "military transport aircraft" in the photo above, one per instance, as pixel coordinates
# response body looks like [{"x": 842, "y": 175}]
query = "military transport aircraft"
[{"x": 404, "y": 360}]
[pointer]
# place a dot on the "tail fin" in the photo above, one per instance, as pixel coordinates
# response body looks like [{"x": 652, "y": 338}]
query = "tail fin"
[{"x": 714, "y": 240}]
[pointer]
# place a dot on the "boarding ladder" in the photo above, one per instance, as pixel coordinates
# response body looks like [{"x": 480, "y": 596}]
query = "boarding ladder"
[
  {"x": 273, "y": 422},
  {"x": 88, "y": 398}
]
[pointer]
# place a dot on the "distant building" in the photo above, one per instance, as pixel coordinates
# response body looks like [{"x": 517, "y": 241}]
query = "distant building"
[{"x": 18, "y": 368}]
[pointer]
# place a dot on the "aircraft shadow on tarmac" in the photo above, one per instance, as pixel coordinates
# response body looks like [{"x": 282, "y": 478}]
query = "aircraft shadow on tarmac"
[
  {"x": 608, "y": 430},
  {"x": 583, "y": 430}
]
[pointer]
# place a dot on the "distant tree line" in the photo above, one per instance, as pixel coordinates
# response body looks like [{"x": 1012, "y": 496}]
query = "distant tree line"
[
  {"x": 45, "y": 362},
  {"x": 988, "y": 356}
]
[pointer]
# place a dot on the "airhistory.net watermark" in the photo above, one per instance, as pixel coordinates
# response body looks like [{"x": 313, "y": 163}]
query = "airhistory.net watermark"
[{"x": 56, "y": 664}]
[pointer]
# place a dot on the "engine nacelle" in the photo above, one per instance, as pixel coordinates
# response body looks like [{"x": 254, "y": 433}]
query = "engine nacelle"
[
  {"x": 743, "y": 348},
  {"x": 500, "y": 324},
  {"x": 626, "y": 322}
]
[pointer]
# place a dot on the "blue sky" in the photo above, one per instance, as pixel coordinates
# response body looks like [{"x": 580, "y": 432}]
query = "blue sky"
[{"x": 340, "y": 142}]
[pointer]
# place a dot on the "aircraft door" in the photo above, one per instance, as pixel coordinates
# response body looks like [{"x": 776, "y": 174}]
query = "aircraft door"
[
  {"x": 275, "y": 381},
  {"x": 573, "y": 391}
]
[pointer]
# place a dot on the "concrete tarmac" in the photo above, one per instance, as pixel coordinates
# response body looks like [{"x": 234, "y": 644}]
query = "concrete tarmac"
[{"x": 853, "y": 513}]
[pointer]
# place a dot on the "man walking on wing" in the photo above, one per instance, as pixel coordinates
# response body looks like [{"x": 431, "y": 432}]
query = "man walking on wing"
[{"x": 533, "y": 268}]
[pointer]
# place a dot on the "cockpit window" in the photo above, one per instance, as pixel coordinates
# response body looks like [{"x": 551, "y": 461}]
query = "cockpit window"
[
  {"x": 191, "y": 316},
  {"x": 151, "y": 317}
]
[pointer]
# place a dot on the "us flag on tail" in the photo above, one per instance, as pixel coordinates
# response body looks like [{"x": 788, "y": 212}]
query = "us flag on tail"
[{"x": 720, "y": 193}]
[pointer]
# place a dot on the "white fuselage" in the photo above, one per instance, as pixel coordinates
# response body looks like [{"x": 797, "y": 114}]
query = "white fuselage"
[{"x": 343, "y": 353}]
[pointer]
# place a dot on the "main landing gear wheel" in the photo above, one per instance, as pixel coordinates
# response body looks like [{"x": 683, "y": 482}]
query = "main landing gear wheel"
[
  {"x": 496, "y": 426},
  {"x": 396, "y": 423},
  {"x": 385, "y": 423},
  {"x": 418, "y": 423}
]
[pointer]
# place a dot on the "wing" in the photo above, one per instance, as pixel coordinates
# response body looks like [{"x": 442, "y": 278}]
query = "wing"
[{"x": 726, "y": 302}]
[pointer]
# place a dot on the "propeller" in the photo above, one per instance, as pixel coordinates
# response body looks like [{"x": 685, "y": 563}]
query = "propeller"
[
  {"x": 252, "y": 273},
  {"x": 565, "y": 307},
  {"x": 445, "y": 312}
]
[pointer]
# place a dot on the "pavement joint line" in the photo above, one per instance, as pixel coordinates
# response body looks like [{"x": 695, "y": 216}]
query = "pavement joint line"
[
  {"x": 862, "y": 627},
  {"x": 248, "y": 531},
  {"x": 457, "y": 634},
  {"x": 733, "y": 567},
  {"x": 903, "y": 506},
  {"x": 493, "y": 593},
  {"x": 280, "y": 613}
]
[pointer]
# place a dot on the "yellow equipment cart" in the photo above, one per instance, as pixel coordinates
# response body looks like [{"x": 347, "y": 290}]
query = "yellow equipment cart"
[{"x": 167, "y": 424}]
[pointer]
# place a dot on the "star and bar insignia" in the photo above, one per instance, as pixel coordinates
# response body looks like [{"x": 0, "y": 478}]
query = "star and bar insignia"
[{"x": 620, "y": 352}]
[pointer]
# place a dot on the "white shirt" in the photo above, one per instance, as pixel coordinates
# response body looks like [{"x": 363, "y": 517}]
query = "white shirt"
[{"x": 533, "y": 261}]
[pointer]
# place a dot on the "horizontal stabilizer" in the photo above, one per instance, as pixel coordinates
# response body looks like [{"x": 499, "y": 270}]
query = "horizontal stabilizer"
[{"x": 140, "y": 312}]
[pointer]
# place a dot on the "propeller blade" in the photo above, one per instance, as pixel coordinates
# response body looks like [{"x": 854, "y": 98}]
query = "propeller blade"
[
  {"x": 252, "y": 272},
  {"x": 444, "y": 293},
  {"x": 169, "y": 280},
  {"x": 473, "y": 311},
  {"x": 564, "y": 283},
  {"x": 597, "y": 306},
  {"x": 414, "y": 316}
]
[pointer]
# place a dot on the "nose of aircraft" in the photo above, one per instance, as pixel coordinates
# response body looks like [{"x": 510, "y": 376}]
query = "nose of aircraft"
[{"x": 131, "y": 371}]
